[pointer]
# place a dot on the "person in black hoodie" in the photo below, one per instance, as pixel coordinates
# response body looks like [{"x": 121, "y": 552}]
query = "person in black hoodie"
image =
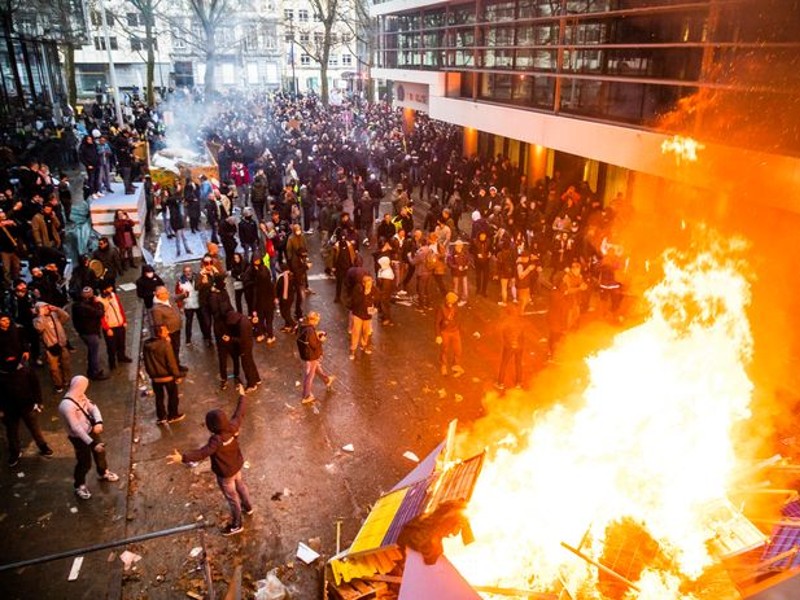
[
  {"x": 20, "y": 306},
  {"x": 13, "y": 345},
  {"x": 82, "y": 276},
  {"x": 260, "y": 296},
  {"x": 226, "y": 461},
  {"x": 146, "y": 285},
  {"x": 161, "y": 366},
  {"x": 21, "y": 401},
  {"x": 240, "y": 344}
]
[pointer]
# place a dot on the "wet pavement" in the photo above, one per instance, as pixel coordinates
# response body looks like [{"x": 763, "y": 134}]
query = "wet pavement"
[{"x": 301, "y": 479}]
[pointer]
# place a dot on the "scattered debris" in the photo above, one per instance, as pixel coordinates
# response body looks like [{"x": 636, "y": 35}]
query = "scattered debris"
[
  {"x": 276, "y": 497},
  {"x": 21, "y": 474},
  {"x": 315, "y": 544},
  {"x": 296, "y": 384},
  {"x": 129, "y": 558},
  {"x": 307, "y": 554},
  {"x": 195, "y": 595},
  {"x": 442, "y": 393},
  {"x": 348, "y": 448},
  {"x": 76, "y": 569},
  {"x": 246, "y": 464},
  {"x": 195, "y": 552},
  {"x": 44, "y": 517},
  {"x": 270, "y": 588},
  {"x": 73, "y": 509},
  {"x": 411, "y": 456},
  {"x": 112, "y": 556},
  {"x": 458, "y": 397},
  {"x": 477, "y": 335}
]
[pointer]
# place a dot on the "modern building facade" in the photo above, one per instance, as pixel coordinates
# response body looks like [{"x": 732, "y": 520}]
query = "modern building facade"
[
  {"x": 32, "y": 36},
  {"x": 593, "y": 88}
]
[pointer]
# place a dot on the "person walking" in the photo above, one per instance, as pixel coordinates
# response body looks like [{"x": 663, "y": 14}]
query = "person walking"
[
  {"x": 21, "y": 401},
  {"x": 162, "y": 368},
  {"x": 115, "y": 326},
  {"x": 309, "y": 345},
  {"x": 240, "y": 347},
  {"x": 513, "y": 332},
  {"x": 84, "y": 424},
  {"x": 87, "y": 317},
  {"x": 49, "y": 322},
  {"x": 448, "y": 336},
  {"x": 226, "y": 461}
]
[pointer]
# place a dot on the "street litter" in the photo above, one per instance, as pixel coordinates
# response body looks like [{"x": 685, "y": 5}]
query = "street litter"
[
  {"x": 349, "y": 448},
  {"x": 307, "y": 554},
  {"x": 73, "y": 509},
  {"x": 411, "y": 456},
  {"x": 459, "y": 397},
  {"x": 270, "y": 588},
  {"x": 442, "y": 393},
  {"x": 296, "y": 384},
  {"x": 128, "y": 558},
  {"x": 476, "y": 335},
  {"x": 195, "y": 552},
  {"x": 20, "y": 474},
  {"x": 76, "y": 569}
]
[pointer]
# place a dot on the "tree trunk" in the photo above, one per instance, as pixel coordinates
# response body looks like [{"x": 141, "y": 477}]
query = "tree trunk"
[
  {"x": 151, "y": 60},
  {"x": 323, "y": 67},
  {"x": 69, "y": 70},
  {"x": 7, "y": 30},
  {"x": 211, "y": 59}
]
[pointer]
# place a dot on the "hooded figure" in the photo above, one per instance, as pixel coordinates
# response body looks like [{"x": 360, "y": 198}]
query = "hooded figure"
[
  {"x": 385, "y": 289},
  {"x": 146, "y": 285},
  {"x": 226, "y": 461},
  {"x": 84, "y": 424}
]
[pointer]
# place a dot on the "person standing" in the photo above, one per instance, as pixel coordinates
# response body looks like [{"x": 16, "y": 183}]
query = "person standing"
[
  {"x": 448, "y": 336},
  {"x": 49, "y": 322},
  {"x": 87, "y": 317},
  {"x": 21, "y": 400},
  {"x": 165, "y": 313},
  {"x": 115, "y": 326},
  {"x": 459, "y": 263},
  {"x": 362, "y": 308},
  {"x": 259, "y": 293},
  {"x": 309, "y": 345},
  {"x": 162, "y": 368},
  {"x": 226, "y": 461},
  {"x": 248, "y": 235},
  {"x": 481, "y": 249},
  {"x": 386, "y": 283},
  {"x": 124, "y": 237},
  {"x": 11, "y": 247},
  {"x": 240, "y": 345},
  {"x": 188, "y": 299},
  {"x": 513, "y": 332},
  {"x": 111, "y": 259},
  {"x": 20, "y": 305},
  {"x": 146, "y": 286},
  {"x": 84, "y": 424},
  {"x": 285, "y": 291}
]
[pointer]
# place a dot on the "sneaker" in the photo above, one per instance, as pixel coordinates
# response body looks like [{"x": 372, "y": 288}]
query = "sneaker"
[
  {"x": 501, "y": 303},
  {"x": 177, "y": 418},
  {"x": 109, "y": 476},
  {"x": 248, "y": 511},
  {"x": 251, "y": 388},
  {"x": 458, "y": 371},
  {"x": 46, "y": 451},
  {"x": 331, "y": 379},
  {"x": 271, "y": 339},
  {"x": 308, "y": 399},
  {"x": 500, "y": 386},
  {"x": 367, "y": 350},
  {"x": 39, "y": 362},
  {"x": 13, "y": 461},
  {"x": 232, "y": 529},
  {"x": 59, "y": 389},
  {"x": 223, "y": 385},
  {"x": 161, "y": 422},
  {"x": 83, "y": 492},
  {"x": 261, "y": 338},
  {"x": 462, "y": 302},
  {"x": 352, "y": 356}
]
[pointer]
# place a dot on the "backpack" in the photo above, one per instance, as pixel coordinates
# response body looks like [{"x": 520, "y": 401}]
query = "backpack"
[{"x": 430, "y": 260}]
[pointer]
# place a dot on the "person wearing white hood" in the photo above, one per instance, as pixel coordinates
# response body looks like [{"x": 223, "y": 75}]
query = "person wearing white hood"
[
  {"x": 84, "y": 424},
  {"x": 385, "y": 290}
]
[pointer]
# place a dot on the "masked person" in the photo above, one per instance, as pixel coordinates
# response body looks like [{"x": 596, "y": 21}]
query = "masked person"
[
  {"x": 84, "y": 424},
  {"x": 226, "y": 461}
]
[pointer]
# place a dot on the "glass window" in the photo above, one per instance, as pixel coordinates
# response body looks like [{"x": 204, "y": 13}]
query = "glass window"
[
  {"x": 347, "y": 59},
  {"x": 288, "y": 14},
  {"x": 136, "y": 44},
  {"x": 302, "y": 15},
  {"x": 304, "y": 37},
  {"x": 305, "y": 60},
  {"x": 133, "y": 19}
]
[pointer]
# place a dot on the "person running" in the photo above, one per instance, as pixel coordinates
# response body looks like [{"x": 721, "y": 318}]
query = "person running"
[{"x": 309, "y": 345}]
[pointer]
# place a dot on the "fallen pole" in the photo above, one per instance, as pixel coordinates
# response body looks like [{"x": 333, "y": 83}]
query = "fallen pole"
[
  {"x": 103, "y": 546},
  {"x": 601, "y": 566}
]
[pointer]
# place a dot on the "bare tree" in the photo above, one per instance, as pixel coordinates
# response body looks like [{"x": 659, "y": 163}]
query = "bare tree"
[
  {"x": 319, "y": 47},
  {"x": 148, "y": 9},
  {"x": 201, "y": 31},
  {"x": 363, "y": 41}
]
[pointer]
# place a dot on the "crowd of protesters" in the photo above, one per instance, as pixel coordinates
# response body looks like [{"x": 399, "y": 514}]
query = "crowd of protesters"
[{"x": 402, "y": 217}]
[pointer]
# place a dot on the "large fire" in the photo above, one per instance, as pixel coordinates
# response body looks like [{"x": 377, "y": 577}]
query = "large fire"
[{"x": 651, "y": 444}]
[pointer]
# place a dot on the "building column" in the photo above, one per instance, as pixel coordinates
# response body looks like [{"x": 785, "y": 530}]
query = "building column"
[
  {"x": 538, "y": 161},
  {"x": 470, "y": 142},
  {"x": 409, "y": 117}
]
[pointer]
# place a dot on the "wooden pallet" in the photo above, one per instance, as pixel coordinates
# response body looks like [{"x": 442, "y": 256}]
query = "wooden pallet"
[{"x": 358, "y": 589}]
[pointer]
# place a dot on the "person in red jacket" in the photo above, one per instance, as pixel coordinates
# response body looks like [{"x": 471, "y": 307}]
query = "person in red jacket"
[{"x": 226, "y": 461}]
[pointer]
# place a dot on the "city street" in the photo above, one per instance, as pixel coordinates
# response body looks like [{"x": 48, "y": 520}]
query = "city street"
[{"x": 301, "y": 477}]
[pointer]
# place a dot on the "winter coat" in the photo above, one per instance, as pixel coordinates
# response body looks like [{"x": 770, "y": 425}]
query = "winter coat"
[
  {"x": 223, "y": 445},
  {"x": 159, "y": 360}
]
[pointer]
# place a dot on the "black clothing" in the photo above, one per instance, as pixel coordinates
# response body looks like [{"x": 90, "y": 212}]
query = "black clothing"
[{"x": 87, "y": 317}]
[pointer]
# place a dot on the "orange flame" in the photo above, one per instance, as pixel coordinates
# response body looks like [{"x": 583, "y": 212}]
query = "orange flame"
[
  {"x": 684, "y": 148},
  {"x": 652, "y": 443}
]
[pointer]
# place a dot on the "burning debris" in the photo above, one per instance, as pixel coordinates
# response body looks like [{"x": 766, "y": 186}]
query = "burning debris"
[{"x": 684, "y": 148}]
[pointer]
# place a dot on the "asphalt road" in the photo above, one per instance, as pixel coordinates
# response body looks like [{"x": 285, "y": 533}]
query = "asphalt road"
[{"x": 301, "y": 479}]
